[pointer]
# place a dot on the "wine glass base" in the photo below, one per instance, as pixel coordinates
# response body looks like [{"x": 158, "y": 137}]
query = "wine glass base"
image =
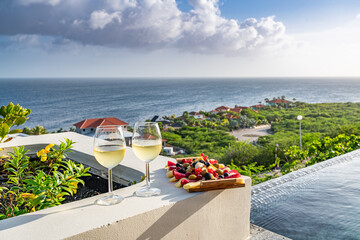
[
  {"x": 109, "y": 200},
  {"x": 148, "y": 192}
]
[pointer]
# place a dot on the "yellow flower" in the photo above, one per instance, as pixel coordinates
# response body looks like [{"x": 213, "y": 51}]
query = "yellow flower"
[
  {"x": 47, "y": 148},
  {"x": 27, "y": 195},
  {"x": 42, "y": 154},
  {"x": 75, "y": 184},
  {"x": 33, "y": 209},
  {"x": 1, "y": 149}
]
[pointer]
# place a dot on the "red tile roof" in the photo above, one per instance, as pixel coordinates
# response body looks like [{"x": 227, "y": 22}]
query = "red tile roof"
[
  {"x": 279, "y": 101},
  {"x": 257, "y": 106},
  {"x": 95, "y": 122},
  {"x": 238, "y": 109},
  {"x": 222, "y": 108}
]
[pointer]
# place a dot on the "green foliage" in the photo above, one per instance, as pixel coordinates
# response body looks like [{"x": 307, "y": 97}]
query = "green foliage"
[
  {"x": 41, "y": 183},
  {"x": 199, "y": 139},
  {"x": 38, "y": 130},
  {"x": 11, "y": 115},
  {"x": 257, "y": 173}
]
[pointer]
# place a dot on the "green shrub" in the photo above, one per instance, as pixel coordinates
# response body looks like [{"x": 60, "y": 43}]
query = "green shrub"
[
  {"x": 41, "y": 183},
  {"x": 12, "y": 115}
]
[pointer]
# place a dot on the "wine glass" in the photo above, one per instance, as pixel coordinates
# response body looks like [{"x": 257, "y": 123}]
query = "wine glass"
[
  {"x": 109, "y": 150},
  {"x": 146, "y": 144}
]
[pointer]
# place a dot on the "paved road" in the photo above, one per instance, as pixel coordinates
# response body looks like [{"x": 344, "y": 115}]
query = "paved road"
[{"x": 251, "y": 134}]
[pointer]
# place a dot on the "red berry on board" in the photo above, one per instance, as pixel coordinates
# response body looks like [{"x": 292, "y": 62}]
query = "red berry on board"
[
  {"x": 202, "y": 154},
  {"x": 206, "y": 158}
]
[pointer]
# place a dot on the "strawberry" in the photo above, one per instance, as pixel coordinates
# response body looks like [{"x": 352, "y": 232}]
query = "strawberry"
[
  {"x": 185, "y": 181},
  {"x": 172, "y": 167},
  {"x": 178, "y": 175},
  {"x": 233, "y": 174},
  {"x": 206, "y": 158},
  {"x": 202, "y": 154},
  {"x": 171, "y": 163}
]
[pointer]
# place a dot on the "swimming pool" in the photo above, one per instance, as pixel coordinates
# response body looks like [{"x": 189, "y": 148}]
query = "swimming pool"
[{"x": 318, "y": 202}]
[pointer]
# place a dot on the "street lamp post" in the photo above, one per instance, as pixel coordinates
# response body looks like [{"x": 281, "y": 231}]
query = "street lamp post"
[{"x": 300, "y": 118}]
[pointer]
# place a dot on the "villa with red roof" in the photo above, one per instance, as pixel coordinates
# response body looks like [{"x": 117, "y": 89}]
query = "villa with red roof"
[
  {"x": 254, "y": 107},
  {"x": 238, "y": 109},
  {"x": 222, "y": 109},
  {"x": 88, "y": 126},
  {"x": 276, "y": 102},
  {"x": 196, "y": 115}
]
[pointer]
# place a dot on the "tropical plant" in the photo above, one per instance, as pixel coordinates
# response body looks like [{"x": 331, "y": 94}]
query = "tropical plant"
[
  {"x": 12, "y": 115},
  {"x": 41, "y": 183},
  {"x": 38, "y": 130}
]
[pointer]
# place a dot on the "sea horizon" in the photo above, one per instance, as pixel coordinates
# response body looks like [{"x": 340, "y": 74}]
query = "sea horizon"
[{"x": 61, "y": 102}]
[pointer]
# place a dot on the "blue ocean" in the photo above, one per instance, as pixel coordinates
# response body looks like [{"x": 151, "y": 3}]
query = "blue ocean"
[{"x": 59, "y": 103}]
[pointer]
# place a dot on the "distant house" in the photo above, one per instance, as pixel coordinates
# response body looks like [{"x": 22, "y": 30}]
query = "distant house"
[
  {"x": 222, "y": 109},
  {"x": 214, "y": 111},
  {"x": 88, "y": 126},
  {"x": 254, "y": 107},
  {"x": 238, "y": 109},
  {"x": 176, "y": 125},
  {"x": 196, "y": 115},
  {"x": 165, "y": 123},
  {"x": 276, "y": 102},
  {"x": 169, "y": 151}
]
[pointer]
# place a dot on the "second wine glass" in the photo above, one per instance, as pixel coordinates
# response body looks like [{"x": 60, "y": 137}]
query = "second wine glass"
[{"x": 146, "y": 144}]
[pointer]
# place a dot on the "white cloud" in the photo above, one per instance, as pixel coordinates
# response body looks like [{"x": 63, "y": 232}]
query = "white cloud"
[
  {"x": 358, "y": 16},
  {"x": 99, "y": 19},
  {"x": 145, "y": 24}
]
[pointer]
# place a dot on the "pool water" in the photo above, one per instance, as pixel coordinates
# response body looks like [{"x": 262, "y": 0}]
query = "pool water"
[{"x": 318, "y": 202}]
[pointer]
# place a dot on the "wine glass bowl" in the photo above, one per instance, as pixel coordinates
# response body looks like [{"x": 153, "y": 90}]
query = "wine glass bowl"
[
  {"x": 146, "y": 145},
  {"x": 109, "y": 150}
]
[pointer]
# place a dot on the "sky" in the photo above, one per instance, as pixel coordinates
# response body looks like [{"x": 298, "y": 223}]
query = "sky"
[{"x": 168, "y": 38}]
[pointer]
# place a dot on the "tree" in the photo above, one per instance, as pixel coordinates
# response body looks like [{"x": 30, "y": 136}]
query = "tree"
[
  {"x": 38, "y": 130},
  {"x": 282, "y": 97},
  {"x": 266, "y": 99}
]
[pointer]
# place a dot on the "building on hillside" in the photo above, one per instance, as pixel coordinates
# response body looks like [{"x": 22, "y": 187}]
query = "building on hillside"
[
  {"x": 176, "y": 125},
  {"x": 255, "y": 107},
  {"x": 196, "y": 115},
  {"x": 238, "y": 109},
  {"x": 88, "y": 127},
  {"x": 222, "y": 109},
  {"x": 277, "y": 102},
  {"x": 165, "y": 123}
]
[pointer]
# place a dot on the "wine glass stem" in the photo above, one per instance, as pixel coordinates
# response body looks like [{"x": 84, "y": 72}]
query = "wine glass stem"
[
  {"x": 147, "y": 175},
  {"x": 110, "y": 181}
]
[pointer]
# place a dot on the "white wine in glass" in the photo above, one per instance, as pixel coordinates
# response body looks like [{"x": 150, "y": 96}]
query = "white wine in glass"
[
  {"x": 146, "y": 144},
  {"x": 109, "y": 150}
]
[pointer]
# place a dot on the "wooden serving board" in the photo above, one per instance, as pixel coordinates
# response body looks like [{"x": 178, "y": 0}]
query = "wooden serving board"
[{"x": 217, "y": 184}]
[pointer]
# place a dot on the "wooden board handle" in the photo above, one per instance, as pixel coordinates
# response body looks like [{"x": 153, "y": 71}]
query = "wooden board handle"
[{"x": 200, "y": 189}]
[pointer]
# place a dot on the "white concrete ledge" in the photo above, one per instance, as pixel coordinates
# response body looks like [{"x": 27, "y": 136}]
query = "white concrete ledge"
[{"x": 175, "y": 214}]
